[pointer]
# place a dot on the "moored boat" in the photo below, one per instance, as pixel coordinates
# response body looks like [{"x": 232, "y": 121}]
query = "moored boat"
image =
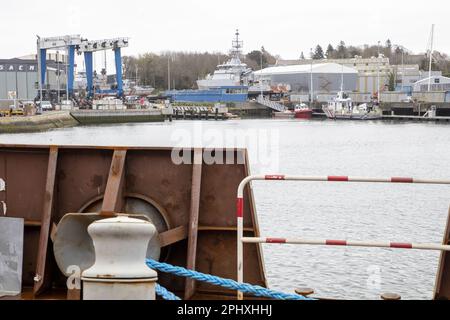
[
  {"x": 302, "y": 111},
  {"x": 342, "y": 108}
]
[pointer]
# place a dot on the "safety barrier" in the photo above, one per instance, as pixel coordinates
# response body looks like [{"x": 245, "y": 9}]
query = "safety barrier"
[
  {"x": 271, "y": 104},
  {"x": 394, "y": 245}
]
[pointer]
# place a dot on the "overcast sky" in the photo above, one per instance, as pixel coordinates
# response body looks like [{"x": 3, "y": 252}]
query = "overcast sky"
[{"x": 283, "y": 27}]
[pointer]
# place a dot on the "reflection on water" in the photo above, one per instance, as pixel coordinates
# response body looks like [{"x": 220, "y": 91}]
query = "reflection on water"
[{"x": 316, "y": 210}]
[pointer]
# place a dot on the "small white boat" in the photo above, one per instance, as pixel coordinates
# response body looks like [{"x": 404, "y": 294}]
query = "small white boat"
[{"x": 342, "y": 108}]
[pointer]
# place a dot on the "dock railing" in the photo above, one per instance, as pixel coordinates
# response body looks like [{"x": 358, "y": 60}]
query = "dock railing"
[
  {"x": 322, "y": 242},
  {"x": 271, "y": 104}
]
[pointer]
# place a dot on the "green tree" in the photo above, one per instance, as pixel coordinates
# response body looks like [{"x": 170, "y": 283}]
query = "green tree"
[
  {"x": 330, "y": 52},
  {"x": 318, "y": 53},
  {"x": 388, "y": 49},
  {"x": 342, "y": 52},
  {"x": 391, "y": 81},
  {"x": 255, "y": 56},
  {"x": 302, "y": 56},
  {"x": 388, "y": 44}
]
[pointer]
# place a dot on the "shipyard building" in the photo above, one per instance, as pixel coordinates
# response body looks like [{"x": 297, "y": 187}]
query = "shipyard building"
[
  {"x": 19, "y": 77},
  {"x": 374, "y": 70},
  {"x": 326, "y": 77}
]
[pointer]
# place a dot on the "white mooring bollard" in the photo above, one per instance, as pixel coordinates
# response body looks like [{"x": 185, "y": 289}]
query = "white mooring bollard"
[{"x": 120, "y": 272}]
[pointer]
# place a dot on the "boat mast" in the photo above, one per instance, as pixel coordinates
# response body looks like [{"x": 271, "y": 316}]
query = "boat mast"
[
  {"x": 431, "y": 57},
  {"x": 378, "y": 72},
  {"x": 311, "y": 89},
  {"x": 237, "y": 46}
]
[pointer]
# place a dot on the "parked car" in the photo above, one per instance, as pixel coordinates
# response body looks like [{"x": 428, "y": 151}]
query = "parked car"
[{"x": 46, "y": 105}]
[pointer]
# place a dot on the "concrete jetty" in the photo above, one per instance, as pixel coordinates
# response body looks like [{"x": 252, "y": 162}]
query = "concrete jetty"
[
  {"x": 52, "y": 120},
  {"x": 117, "y": 116}
]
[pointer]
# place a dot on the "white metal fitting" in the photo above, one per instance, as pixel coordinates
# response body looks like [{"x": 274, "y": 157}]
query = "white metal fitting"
[{"x": 120, "y": 271}]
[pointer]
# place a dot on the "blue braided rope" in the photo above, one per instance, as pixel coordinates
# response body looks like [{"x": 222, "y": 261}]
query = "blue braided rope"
[
  {"x": 256, "y": 291},
  {"x": 165, "y": 294}
]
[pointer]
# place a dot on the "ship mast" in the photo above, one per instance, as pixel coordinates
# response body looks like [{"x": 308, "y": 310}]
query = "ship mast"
[
  {"x": 237, "y": 47},
  {"x": 431, "y": 57}
]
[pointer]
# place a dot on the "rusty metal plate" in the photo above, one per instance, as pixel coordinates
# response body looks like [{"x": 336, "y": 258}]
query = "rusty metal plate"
[{"x": 148, "y": 174}]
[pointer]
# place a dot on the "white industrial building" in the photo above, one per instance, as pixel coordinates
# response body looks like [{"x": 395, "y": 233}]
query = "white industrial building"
[
  {"x": 326, "y": 77},
  {"x": 438, "y": 83},
  {"x": 371, "y": 71},
  {"x": 374, "y": 70}
]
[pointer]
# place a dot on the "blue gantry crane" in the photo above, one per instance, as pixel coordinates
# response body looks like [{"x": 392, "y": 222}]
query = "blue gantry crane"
[
  {"x": 89, "y": 47},
  {"x": 70, "y": 43},
  {"x": 74, "y": 43}
]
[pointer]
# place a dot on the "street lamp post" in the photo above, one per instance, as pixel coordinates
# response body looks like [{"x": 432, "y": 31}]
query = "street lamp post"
[
  {"x": 39, "y": 73},
  {"x": 378, "y": 71},
  {"x": 59, "y": 76},
  {"x": 67, "y": 72},
  {"x": 312, "y": 82},
  {"x": 261, "y": 77}
]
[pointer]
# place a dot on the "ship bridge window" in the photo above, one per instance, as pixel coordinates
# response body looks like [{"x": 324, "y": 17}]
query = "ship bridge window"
[{"x": 235, "y": 91}]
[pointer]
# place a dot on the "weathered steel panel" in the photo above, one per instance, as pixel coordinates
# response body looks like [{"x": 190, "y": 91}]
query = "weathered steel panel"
[
  {"x": 25, "y": 175},
  {"x": 11, "y": 256},
  {"x": 154, "y": 175},
  {"x": 81, "y": 178}
]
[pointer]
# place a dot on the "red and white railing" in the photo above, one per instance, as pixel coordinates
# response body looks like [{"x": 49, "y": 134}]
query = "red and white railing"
[{"x": 322, "y": 242}]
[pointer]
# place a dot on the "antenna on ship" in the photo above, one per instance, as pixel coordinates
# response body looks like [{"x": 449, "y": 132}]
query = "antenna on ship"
[{"x": 237, "y": 46}]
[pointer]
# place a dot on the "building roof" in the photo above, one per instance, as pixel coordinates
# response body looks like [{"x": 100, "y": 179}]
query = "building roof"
[
  {"x": 17, "y": 61},
  {"x": 316, "y": 68},
  {"x": 427, "y": 79}
]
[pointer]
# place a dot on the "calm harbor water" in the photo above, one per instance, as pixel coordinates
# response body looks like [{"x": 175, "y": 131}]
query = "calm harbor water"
[{"x": 400, "y": 213}]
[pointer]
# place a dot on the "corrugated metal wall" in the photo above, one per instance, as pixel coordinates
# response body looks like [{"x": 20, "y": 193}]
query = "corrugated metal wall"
[
  {"x": 21, "y": 82},
  {"x": 323, "y": 82},
  {"x": 32, "y": 79},
  {"x": 3, "y": 92}
]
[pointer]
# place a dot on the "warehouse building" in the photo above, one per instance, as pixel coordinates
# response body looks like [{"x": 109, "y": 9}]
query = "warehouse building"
[
  {"x": 19, "y": 77},
  {"x": 374, "y": 70},
  {"x": 370, "y": 70},
  {"x": 326, "y": 77},
  {"x": 438, "y": 83}
]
